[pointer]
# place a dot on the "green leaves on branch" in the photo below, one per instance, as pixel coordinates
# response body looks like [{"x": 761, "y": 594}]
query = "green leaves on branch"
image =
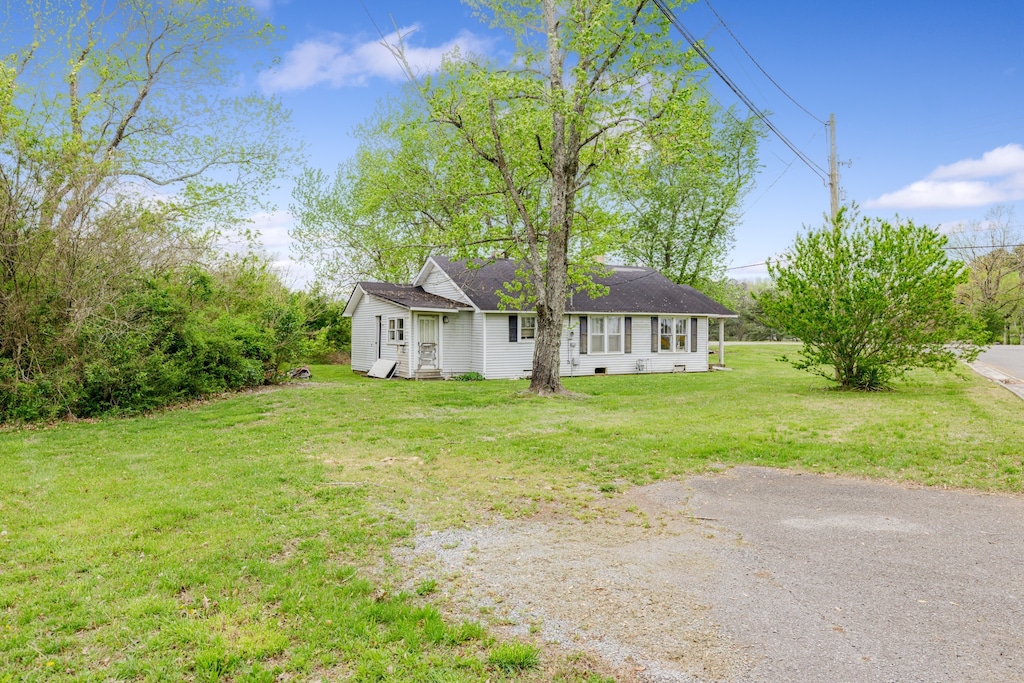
[
  {"x": 124, "y": 151},
  {"x": 138, "y": 95},
  {"x": 870, "y": 299},
  {"x": 993, "y": 253},
  {"x": 684, "y": 193},
  {"x": 600, "y": 137}
]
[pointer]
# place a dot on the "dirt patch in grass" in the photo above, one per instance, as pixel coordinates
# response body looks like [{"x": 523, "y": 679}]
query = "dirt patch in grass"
[{"x": 624, "y": 588}]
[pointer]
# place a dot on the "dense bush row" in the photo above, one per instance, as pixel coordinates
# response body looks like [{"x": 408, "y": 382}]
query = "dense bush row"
[{"x": 171, "y": 338}]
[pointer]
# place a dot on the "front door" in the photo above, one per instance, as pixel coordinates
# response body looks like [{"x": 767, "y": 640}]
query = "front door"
[{"x": 427, "y": 343}]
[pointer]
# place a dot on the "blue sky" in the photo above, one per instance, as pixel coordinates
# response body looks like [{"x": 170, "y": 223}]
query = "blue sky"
[{"x": 928, "y": 98}]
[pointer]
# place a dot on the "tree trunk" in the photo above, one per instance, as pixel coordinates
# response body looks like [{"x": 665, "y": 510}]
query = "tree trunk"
[
  {"x": 551, "y": 306},
  {"x": 546, "y": 378},
  {"x": 552, "y": 292}
]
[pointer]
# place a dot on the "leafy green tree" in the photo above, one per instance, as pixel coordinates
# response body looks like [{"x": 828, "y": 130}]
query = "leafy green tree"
[
  {"x": 586, "y": 80},
  {"x": 392, "y": 204},
  {"x": 742, "y": 297},
  {"x": 685, "y": 194},
  {"x": 124, "y": 149},
  {"x": 870, "y": 299},
  {"x": 328, "y": 331}
]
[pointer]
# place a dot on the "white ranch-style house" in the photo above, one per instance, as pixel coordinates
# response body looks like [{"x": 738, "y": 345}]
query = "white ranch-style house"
[{"x": 450, "y": 321}]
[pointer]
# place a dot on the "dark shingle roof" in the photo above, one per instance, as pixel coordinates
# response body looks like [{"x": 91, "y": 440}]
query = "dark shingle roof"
[
  {"x": 630, "y": 290},
  {"x": 410, "y": 296}
]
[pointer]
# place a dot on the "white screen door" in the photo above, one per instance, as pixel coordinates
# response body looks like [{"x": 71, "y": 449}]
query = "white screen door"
[{"x": 427, "y": 342}]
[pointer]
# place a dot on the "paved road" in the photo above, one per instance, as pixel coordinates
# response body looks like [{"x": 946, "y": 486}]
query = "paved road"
[
  {"x": 1007, "y": 359},
  {"x": 843, "y": 580},
  {"x": 1003, "y": 365}
]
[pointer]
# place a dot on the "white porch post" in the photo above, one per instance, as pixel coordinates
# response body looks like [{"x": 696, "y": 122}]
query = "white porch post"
[{"x": 721, "y": 342}]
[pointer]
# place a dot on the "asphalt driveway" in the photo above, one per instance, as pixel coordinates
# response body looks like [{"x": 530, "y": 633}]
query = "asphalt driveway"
[
  {"x": 756, "y": 575},
  {"x": 844, "y": 580}
]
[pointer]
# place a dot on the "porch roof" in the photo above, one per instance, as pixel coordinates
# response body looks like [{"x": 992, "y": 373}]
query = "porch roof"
[{"x": 410, "y": 296}]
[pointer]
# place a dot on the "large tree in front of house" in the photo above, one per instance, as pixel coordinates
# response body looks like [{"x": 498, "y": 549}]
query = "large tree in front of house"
[
  {"x": 541, "y": 159},
  {"x": 587, "y": 78}
]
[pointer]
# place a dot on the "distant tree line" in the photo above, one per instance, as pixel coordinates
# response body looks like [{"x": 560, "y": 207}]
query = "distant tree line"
[
  {"x": 741, "y": 297},
  {"x": 993, "y": 252}
]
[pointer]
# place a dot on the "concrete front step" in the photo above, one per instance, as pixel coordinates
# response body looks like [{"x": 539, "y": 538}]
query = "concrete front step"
[{"x": 429, "y": 374}]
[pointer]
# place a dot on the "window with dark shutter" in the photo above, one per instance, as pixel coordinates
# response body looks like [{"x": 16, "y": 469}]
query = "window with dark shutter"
[
  {"x": 629, "y": 335},
  {"x": 693, "y": 335},
  {"x": 583, "y": 334},
  {"x": 654, "y": 334},
  {"x": 513, "y": 328}
]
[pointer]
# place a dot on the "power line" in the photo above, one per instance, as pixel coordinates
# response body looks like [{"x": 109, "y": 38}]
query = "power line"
[
  {"x": 760, "y": 68},
  {"x": 749, "y": 265},
  {"x": 700, "y": 50},
  {"x": 984, "y": 246},
  {"x": 768, "y": 189}
]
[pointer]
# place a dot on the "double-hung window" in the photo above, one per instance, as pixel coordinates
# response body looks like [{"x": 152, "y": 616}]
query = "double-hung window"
[
  {"x": 396, "y": 330},
  {"x": 681, "y": 324},
  {"x": 527, "y": 326},
  {"x": 665, "y": 334},
  {"x": 614, "y": 337},
  {"x": 672, "y": 334},
  {"x": 605, "y": 334}
]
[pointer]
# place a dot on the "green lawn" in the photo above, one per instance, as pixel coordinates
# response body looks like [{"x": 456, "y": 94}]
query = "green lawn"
[{"x": 248, "y": 537}]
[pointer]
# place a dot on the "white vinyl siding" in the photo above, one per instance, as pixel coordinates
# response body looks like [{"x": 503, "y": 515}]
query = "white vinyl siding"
[
  {"x": 627, "y": 363},
  {"x": 437, "y": 282},
  {"x": 513, "y": 360},
  {"x": 505, "y": 359},
  {"x": 463, "y": 348},
  {"x": 457, "y": 341},
  {"x": 479, "y": 348},
  {"x": 364, "y": 334}
]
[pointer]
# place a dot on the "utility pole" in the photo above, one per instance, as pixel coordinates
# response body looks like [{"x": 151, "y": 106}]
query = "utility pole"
[{"x": 833, "y": 166}]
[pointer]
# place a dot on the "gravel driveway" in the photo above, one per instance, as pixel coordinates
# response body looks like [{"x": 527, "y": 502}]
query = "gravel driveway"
[{"x": 758, "y": 575}]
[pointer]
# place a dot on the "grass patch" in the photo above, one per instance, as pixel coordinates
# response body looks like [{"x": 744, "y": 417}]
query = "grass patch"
[
  {"x": 515, "y": 656},
  {"x": 249, "y": 537}
]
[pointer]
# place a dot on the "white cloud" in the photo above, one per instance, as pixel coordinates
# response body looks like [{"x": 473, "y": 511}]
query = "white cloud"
[
  {"x": 944, "y": 194},
  {"x": 1006, "y": 160},
  {"x": 998, "y": 176},
  {"x": 273, "y": 227},
  {"x": 340, "y": 61}
]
